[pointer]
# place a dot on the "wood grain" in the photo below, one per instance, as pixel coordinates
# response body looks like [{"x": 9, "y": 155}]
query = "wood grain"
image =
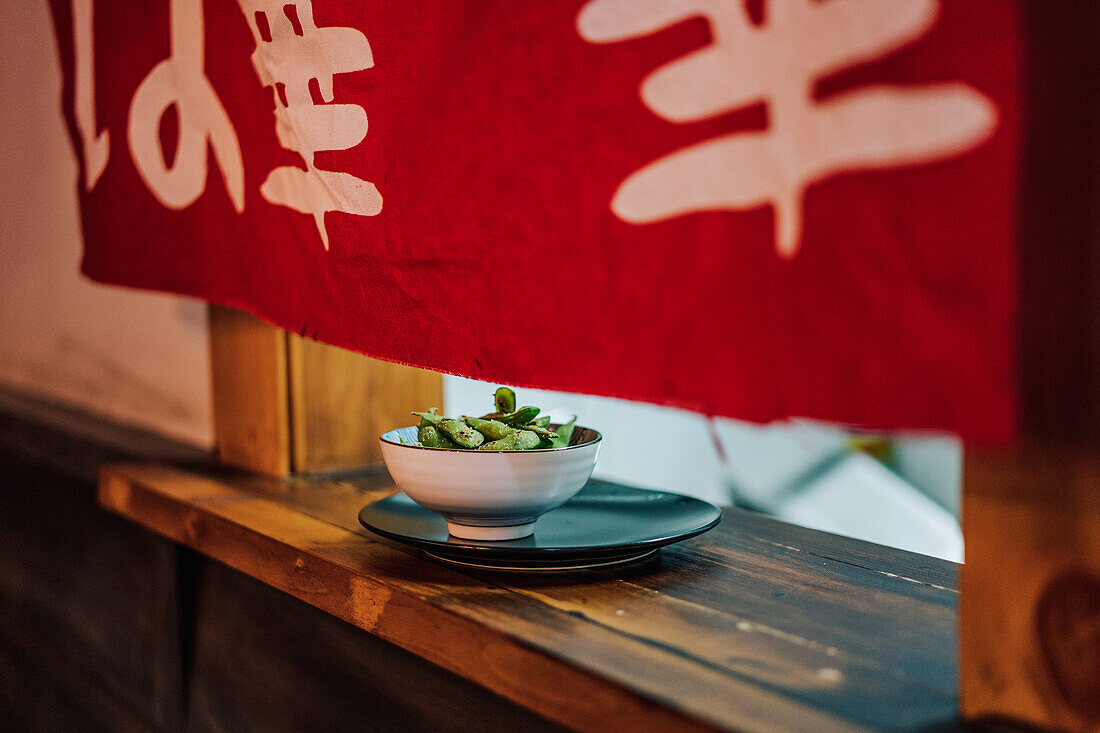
[
  {"x": 265, "y": 661},
  {"x": 1030, "y": 616},
  {"x": 283, "y": 403},
  {"x": 342, "y": 401},
  {"x": 828, "y": 598},
  {"x": 754, "y": 626},
  {"x": 249, "y": 372}
]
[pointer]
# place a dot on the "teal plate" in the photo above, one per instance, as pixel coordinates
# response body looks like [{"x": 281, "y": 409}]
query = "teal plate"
[{"x": 604, "y": 524}]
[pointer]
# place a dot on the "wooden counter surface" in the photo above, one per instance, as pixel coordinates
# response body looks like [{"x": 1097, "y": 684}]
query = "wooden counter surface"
[{"x": 755, "y": 625}]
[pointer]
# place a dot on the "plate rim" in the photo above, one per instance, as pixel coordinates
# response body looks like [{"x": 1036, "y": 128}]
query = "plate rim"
[
  {"x": 485, "y": 550},
  {"x": 583, "y": 563}
]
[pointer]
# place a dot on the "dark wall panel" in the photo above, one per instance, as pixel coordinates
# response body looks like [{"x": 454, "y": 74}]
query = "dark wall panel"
[
  {"x": 266, "y": 661},
  {"x": 87, "y": 608}
]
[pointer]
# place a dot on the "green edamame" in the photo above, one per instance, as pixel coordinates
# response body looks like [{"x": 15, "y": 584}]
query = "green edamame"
[
  {"x": 430, "y": 436},
  {"x": 519, "y": 440},
  {"x": 505, "y": 429},
  {"x": 520, "y": 417},
  {"x": 461, "y": 433},
  {"x": 491, "y": 429},
  {"x": 505, "y": 400},
  {"x": 429, "y": 418}
]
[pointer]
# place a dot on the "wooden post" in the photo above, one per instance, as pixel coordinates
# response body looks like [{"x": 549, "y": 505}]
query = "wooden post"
[
  {"x": 251, "y": 409},
  {"x": 1029, "y": 631},
  {"x": 1030, "y": 588},
  {"x": 286, "y": 404}
]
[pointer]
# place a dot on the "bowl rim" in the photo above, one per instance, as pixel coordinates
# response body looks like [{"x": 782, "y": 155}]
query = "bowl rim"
[{"x": 468, "y": 451}]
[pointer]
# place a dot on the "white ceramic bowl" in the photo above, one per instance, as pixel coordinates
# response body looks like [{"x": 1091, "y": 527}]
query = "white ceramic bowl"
[{"x": 490, "y": 495}]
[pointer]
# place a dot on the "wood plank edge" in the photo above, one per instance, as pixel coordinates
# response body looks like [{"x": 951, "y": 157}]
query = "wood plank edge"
[{"x": 382, "y": 610}]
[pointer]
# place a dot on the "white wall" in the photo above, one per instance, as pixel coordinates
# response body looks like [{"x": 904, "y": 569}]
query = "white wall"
[{"x": 136, "y": 357}]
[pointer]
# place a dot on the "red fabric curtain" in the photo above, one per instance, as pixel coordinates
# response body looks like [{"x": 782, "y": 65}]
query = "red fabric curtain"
[{"x": 759, "y": 210}]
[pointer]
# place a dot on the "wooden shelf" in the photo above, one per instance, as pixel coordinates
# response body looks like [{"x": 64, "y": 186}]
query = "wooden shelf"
[{"x": 756, "y": 625}]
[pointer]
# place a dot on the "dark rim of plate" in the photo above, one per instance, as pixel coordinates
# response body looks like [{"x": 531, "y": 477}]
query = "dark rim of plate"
[
  {"x": 554, "y": 564},
  {"x": 581, "y": 438},
  {"x": 472, "y": 548}
]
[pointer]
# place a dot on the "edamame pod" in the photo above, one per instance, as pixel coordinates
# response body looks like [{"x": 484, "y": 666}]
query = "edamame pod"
[
  {"x": 491, "y": 429},
  {"x": 522, "y": 416},
  {"x": 505, "y": 400},
  {"x": 506, "y": 429},
  {"x": 461, "y": 433},
  {"x": 565, "y": 433},
  {"x": 429, "y": 436},
  {"x": 541, "y": 431},
  {"x": 429, "y": 418},
  {"x": 519, "y": 440}
]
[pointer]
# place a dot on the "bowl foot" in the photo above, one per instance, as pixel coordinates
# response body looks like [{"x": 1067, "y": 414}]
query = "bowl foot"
[{"x": 507, "y": 532}]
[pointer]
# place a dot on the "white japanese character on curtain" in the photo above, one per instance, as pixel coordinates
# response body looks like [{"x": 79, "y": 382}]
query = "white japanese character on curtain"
[
  {"x": 778, "y": 62},
  {"x": 180, "y": 81},
  {"x": 291, "y": 51}
]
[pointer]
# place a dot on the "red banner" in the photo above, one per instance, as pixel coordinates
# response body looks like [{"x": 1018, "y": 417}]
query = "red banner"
[{"x": 757, "y": 209}]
